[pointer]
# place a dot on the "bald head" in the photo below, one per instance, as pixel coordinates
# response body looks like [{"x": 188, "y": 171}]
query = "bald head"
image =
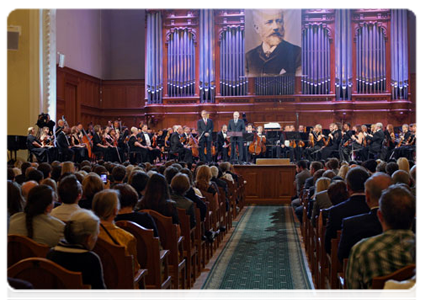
[
  {"x": 27, "y": 186},
  {"x": 401, "y": 176},
  {"x": 374, "y": 187}
]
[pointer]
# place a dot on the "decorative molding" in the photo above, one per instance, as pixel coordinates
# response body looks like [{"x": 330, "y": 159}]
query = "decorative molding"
[
  {"x": 180, "y": 18},
  {"x": 48, "y": 61}
]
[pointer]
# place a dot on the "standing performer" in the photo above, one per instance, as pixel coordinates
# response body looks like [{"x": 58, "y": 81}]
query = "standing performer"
[
  {"x": 205, "y": 129},
  {"x": 236, "y": 125}
]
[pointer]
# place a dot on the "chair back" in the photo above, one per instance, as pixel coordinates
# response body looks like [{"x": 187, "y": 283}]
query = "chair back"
[
  {"x": 148, "y": 251},
  {"x": 20, "y": 247},
  {"x": 118, "y": 267},
  {"x": 43, "y": 273},
  {"x": 402, "y": 274}
]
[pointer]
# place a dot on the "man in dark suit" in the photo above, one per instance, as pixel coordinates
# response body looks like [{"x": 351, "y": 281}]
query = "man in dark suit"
[
  {"x": 63, "y": 144},
  {"x": 362, "y": 226},
  {"x": 274, "y": 56},
  {"x": 222, "y": 143},
  {"x": 355, "y": 205},
  {"x": 236, "y": 125},
  {"x": 376, "y": 141},
  {"x": 205, "y": 130},
  {"x": 184, "y": 153}
]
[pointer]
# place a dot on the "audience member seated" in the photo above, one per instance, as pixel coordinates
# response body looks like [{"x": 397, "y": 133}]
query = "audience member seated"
[
  {"x": 13, "y": 197},
  {"x": 401, "y": 176},
  {"x": 128, "y": 198},
  {"x": 302, "y": 174},
  {"x": 321, "y": 198},
  {"x": 356, "y": 204},
  {"x": 180, "y": 185},
  {"x": 403, "y": 164},
  {"x": 365, "y": 225},
  {"x": 91, "y": 185},
  {"x": 408, "y": 289},
  {"x": 46, "y": 169},
  {"x": 204, "y": 184},
  {"x": 370, "y": 165},
  {"x": 118, "y": 174},
  {"x": 391, "y": 167},
  {"x": 27, "y": 187},
  {"x": 35, "y": 175},
  {"x": 314, "y": 167},
  {"x": 390, "y": 251},
  {"x": 70, "y": 192},
  {"x": 138, "y": 180},
  {"x": 75, "y": 251},
  {"x": 35, "y": 221},
  {"x": 415, "y": 176},
  {"x": 106, "y": 206},
  {"x": 343, "y": 170},
  {"x": 157, "y": 197},
  {"x": 337, "y": 192}
]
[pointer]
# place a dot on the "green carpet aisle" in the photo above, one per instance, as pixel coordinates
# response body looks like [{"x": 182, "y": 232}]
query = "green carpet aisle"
[{"x": 264, "y": 252}]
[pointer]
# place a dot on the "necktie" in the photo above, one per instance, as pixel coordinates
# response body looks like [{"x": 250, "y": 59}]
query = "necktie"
[{"x": 205, "y": 121}]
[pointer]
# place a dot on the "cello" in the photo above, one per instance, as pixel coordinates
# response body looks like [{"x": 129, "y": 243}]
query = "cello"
[{"x": 87, "y": 141}]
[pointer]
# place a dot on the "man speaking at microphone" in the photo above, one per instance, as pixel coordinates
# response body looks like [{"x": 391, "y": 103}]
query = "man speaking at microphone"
[
  {"x": 205, "y": 131},
  {"x": 236, "y": 125}
]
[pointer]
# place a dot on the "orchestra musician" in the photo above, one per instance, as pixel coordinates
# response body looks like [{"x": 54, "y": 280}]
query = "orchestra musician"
[
  {"x": 223, "y": 143},
  {"x": 334, "y": 137},
  {"x": 63, "y": 145},
  {"x": 317, "y": 137},
  {"x": 98, "y": 146},
  {"x": 79, "y": 148},
  {"x": 108, "y": 140},
  {"x": 151, "y": 154},
  {"x": 406, "y": 139},
  {"x": 374, "y": 141},
  {"x": 352, "y": 146},
  {"x": 260, "y": 143},
  {"x": 247, "y": 155},
  {"x": 135, "y": 146},
  {"x": 285, "y": 149},
  {"x": 236, "y": 125},
  {"x": 205, "y": 135},
  {"x": 176, "y": 146},
  {"x": 35, "y": 146}
]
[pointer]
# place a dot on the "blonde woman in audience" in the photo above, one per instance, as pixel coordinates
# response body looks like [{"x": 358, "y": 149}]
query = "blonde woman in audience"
[
  {"x": 68, "y": 167},
  {"x": 106, "y": 206},
  {"x": 343, "y": 171},
  {"x": 50, "y": 182},
  {"x": 225, "y": 167},
  {"x": 204, "y": 184},
  {"x": 403, "y": 164},
  {"x": 321, "y": 197}
]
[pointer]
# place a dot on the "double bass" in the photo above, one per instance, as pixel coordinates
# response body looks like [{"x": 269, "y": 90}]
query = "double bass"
[{"x": 87, "y": 141}]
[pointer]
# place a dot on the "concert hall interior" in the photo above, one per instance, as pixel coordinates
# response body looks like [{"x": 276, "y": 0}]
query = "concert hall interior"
[{"x": 273, "y": 121}]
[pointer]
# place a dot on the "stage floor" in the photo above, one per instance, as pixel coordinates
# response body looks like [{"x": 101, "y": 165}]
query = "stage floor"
[{"x": 268, "y": 184}]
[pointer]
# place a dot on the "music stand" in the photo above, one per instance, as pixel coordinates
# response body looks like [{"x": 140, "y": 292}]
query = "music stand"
[
  {"x": 248, "y": 137},
  {"x": 292, "y": 135}
]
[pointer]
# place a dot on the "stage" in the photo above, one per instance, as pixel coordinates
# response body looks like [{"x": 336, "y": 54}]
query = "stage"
[{"x": 268, "y": 184}]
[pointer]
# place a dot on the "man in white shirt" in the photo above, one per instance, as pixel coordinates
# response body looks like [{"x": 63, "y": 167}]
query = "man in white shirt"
[{"x": 70, "y": 192}]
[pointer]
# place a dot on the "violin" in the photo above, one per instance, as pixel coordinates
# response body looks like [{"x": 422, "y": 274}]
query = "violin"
[{"x": 154, "y": 141}]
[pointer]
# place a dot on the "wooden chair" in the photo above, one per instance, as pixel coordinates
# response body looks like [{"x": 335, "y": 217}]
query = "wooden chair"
[
  {"x": 333, "y": 262},
  {"x": 224, "y": 215},
  {"x": 322, "y": 265},
  {"x": 341, "y": 275},
  {"x": 43, "y": 273},
  {"x": 402, "y": 274},
  {"x": 213, "y": 216},
  {"x": 199, "y": 242},
  {"x": 118, "y": 267},
  {"x": 232, "y": 197},
  {"x": 150, "y": 256},
  {"x": 20, "y": 247},
  {"x": 190, "y": 249},
  {"x": 174, "y": 243}
]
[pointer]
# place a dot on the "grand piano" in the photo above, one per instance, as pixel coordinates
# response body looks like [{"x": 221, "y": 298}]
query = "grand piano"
[{"x": 15, "y": 143}]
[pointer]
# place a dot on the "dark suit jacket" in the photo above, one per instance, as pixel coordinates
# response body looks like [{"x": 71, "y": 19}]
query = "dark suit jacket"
[
  {"x": 219, "y": 140},
  {"x": 238, "y": 127},
  {"x": 286, "y": 57},
  {"x": 202, "y": 127},
  {"x": 353, "y": 206},
  {"x": 377, "y": 141},
  {"x": 62, "y": 141},
  {"x": 356, "y": 228},
  {"x": 175, "y": 143}
]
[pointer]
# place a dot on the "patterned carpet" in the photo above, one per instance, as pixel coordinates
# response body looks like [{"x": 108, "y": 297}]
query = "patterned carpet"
[{"x": 264, "y": 252}]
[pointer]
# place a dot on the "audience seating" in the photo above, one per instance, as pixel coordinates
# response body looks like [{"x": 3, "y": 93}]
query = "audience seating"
[
  {"x": 118, "y": 268},
  {"x": 404, "y": 273},
  {"x": 150, "y": 256},
  {"x": 45, "y": 274},
  {"x": 168, "y": 233},
  {"x": 199, "y": 242},
  {"x": 190, "y": 249},
  {"x": 20, "y": 247}
]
